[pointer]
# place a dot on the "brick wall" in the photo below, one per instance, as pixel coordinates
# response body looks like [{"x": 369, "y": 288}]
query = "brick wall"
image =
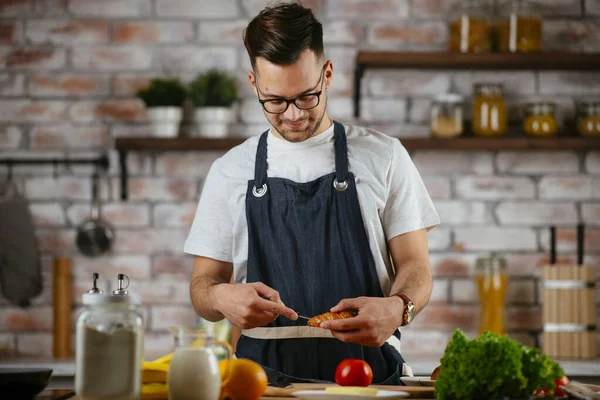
[{"x": 68, "y": 71}]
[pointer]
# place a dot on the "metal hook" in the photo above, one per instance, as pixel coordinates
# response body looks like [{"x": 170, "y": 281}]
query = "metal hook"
[
  {"x": 54, "y": 168},
  {"x": 9, "y": 176}
]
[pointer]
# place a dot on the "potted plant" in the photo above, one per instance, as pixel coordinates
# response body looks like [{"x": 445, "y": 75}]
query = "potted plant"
[
  {"x": 213, "y": 94},
  {"x": 164, "y": 99}
]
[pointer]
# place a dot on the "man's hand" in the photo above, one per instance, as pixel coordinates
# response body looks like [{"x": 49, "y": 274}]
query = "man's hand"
[
  {"x": 377, "y": 319},
  {"x": 250, "y": 305}
]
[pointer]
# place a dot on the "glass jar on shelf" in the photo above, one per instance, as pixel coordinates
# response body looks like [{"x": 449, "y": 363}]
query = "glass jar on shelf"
[
  {"x": 470, "y": 29},
  {"x": 540, "y": 119},
  {"x": 491, "y": 280},
  {"x": 588, "y": 117},
  {"x": 447, "y": 115},
  {"x": 520, "y": 28},
  {"x": 489, "y": 117}
]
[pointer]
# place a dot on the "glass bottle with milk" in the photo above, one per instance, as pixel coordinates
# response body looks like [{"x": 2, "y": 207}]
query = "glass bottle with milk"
[
  {"x": 109, "y": 351},
  {"x": 194, "y": 369}
]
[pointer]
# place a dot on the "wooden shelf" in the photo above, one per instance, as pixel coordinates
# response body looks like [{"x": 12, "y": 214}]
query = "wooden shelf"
[
  {"x": 564, "y": 61},
  {"x": 496, "y": 61},
  {"x": 411, "y": 144}
]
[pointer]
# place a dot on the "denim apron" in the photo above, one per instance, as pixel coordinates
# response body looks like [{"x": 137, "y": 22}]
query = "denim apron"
[{"x": 308, "y": 242}]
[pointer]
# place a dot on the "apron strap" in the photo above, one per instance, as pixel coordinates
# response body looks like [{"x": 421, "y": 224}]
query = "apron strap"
[
  {"x": 260, "y": 166},
  {"x": 341, "y": 156}
]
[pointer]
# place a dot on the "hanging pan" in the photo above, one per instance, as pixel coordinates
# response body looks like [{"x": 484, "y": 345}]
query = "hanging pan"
[{"x": 95, "y": 236}]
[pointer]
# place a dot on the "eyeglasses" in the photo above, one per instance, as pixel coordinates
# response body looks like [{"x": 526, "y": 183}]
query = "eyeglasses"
[{"x": 302, "y": 102}]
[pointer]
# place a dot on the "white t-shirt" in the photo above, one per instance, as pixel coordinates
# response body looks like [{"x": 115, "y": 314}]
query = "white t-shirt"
[{"x": 393, "y": 199}]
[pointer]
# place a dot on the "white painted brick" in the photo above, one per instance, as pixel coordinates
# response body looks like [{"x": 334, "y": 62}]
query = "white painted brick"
[
  {"x": 178, "y": 267},
  {"x": 61, "y": 188},
  {"x": 383, "y": 110},
  {"x": 452, "y": 264},
  {"x": 195, "y": 9},
  {"x": 561, "y": 8},
  {"x": 14, "y": 8},
  {"x": 157, "y": 345},
  {"x": 146, "y": 241},
  {"x": 367, "y": 9},
  {"x": 197, "y": 58},
  {"x": 37, "y": 58},
  {"x": 453, "y": 163},
  {"x": 178, "y": 215},
  {"x": 56, "y": 240},
  {"x": 341, "y": 84},
  {"x": 427, "y": 35},
  {"x": 11, "y": 137},
  {"x": 26, "y": 319},
  {"x": 253, "y": 7},
  {"x": 570, "y": 35},
  {"x": 342, "y": 58},
  {"x": 112, "y": 58},
  {"x": 68, "y": 136},
  {"x": 157, "y": 189},
  {"x": 59, "y": 85},
  {"x": 124, "y": 110},
  {"x": 566, "y": 241},
  {"x": 48, "y": 215},
  {"x": 464, "y": 291},
  {"x": 32, "y": 111},
  {"x": 194, "y": 164},
  {"x": 221, "y": 32},
  {"x": 165, "y": 317},
  {"x": 566, "y": 187},
  {"x": 134, "y": 266},
  {"x": 439, "y": 293},
  {"x": 244, "y": 60},
  {"x": 110, "y": 8},
  {"x": 401, "y": 130},
  {"x": 496, "y": 239},
  {"x": 340, "y": 108},
  {"x": 526, "y": 264},
  {"x": 138, "y": 163},
  {"x": 12, "y": 84},
  {"x": 495, "y": 187},
  {"x": 429, "y": 343},
  {"x": 251, "y": 112},
  {"x": 67, "y": 32},
  {"x": 160, "y": 292},
  {"x": 35, "y": 345},
  {"x": 50, "y": 8},
  {"x": 343, "y": 32},
  {"x": 119, "y": 215},
  {"x": 590, "y": 213},
  {"x": 153, "y": 32},
  {"x": 574, "y": 83},
  {"x": 592, "y": 8},
  {"x": 515, "y": 83},
  {"x": 533, "y": 213},
  {"x": 438, "y": 187},
  {"x": 406, "y": 83},
  {"x": 537, "y": 162},
  {"x": 439, "y": 238},
  {"x": 457, "y": 212},
  {"x": 592, "y": 162},
  {"x": 420, "y": 111}
]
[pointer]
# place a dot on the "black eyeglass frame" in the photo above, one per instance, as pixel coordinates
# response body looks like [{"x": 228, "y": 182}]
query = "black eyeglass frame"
[{"x": 294, "y": 99}]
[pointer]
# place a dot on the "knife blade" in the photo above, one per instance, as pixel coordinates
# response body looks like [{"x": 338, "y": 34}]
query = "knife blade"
[{"x": 303, "y": 317}]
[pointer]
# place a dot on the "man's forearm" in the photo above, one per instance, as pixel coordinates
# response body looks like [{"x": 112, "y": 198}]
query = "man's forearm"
[
  {"x": 414, "y": 280},
  {"x": 204, "y": 298}
]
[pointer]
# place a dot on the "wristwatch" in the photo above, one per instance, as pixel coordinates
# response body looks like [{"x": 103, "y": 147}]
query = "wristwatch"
[{"x": 409, "y": 309}]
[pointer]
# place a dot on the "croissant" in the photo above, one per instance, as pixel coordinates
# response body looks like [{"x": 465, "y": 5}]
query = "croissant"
[{"x": 328, "y": 316}]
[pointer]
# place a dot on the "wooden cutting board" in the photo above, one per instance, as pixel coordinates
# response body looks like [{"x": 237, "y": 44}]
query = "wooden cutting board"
[{"x": 416, "y": 392}]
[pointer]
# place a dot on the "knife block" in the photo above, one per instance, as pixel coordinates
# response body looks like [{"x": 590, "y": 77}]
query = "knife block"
[{"x": 569, "y": 311}]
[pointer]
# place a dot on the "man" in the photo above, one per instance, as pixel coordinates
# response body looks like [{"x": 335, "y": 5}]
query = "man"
[{"x": 306, "y": 217}]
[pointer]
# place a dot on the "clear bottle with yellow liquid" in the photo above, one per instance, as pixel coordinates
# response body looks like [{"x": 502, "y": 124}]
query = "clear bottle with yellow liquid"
[{"x": 491, "y": 280}]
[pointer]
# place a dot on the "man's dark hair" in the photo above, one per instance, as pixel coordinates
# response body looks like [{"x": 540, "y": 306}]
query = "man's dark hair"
[{"x": 280, "y": 33}]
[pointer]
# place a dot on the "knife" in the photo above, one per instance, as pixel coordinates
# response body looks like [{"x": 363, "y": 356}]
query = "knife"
[{"x": 303, "y": 317}]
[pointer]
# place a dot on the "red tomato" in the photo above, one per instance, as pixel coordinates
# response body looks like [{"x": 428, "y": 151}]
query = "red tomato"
[
  {"x": 560, "y": 382},
  {"x": 351, "y": 372}
]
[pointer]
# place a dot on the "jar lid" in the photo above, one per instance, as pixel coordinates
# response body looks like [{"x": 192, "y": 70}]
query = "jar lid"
[
  {"x": 588, "y": 106},
  {"x": 490, "y": 265},
  {"x": 93, "y": 299},
  {"x": 540, "y": 107},
  {"x": 449, "y": 98},
  {"x": 489, "y": 88}
]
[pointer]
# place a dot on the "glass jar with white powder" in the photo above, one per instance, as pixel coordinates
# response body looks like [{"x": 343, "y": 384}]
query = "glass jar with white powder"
[{"x": 109, "y": 351}]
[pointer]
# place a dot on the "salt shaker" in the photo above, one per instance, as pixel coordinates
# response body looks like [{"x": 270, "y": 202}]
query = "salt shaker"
[{"x": 109, "y": 344}]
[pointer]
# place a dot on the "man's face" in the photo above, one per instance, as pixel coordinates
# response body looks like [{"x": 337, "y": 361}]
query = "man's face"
[{"x": 307, "y": 76}]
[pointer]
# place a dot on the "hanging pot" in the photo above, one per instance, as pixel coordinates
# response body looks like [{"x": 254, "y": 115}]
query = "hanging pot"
[{"x": 94, "y": 235}]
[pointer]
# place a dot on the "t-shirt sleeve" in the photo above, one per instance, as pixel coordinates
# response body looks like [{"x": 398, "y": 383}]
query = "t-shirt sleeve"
[
  {"x": 211, "y": 234},
  {"x": 408, "y": 205}
]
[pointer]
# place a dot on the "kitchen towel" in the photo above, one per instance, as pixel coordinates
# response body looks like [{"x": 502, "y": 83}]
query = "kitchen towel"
[{"x": 20, "y": 264}]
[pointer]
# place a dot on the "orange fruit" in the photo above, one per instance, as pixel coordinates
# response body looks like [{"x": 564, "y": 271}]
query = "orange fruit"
[{"x": 243, "y": 379}]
